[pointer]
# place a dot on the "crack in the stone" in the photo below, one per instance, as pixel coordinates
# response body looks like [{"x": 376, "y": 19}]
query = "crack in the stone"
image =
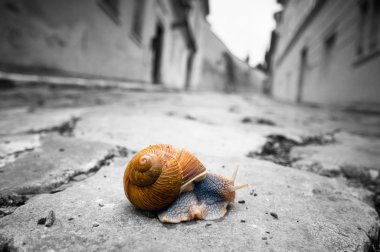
[
  {"x": 277, "y": 148},
  {"x": 65, "y": 129},
  {"x": 257, "y": 120},
  {"x": 12, "y": 156},
  {"x": 188, "y": 117},
  {"x": 92, "y": 171},
  {"x": 366, "y": 177},
  {"x": 17, "y": 153},
  {"x": 7, "y": 245},
  {"x": 373, "y": 244},
  {"x": 10, "y": 201}
]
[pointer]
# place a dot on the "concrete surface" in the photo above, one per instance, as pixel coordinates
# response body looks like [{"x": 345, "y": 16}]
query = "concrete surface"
[
  {"x": 57, "y": 161},
  {"x": 286, "y": 208}
]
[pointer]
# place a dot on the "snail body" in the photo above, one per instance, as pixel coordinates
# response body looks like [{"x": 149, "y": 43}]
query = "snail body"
[{"x": 174, "y": 183}]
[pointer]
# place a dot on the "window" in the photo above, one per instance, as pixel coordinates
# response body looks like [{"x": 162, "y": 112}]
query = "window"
[
  {"x": 328, "y": 51},
  {"x": 329, "y": 44},
  {"x": 330, "y": 41},
  {"x": 369, "y": 28},
  {"x": 111, "y": 7},
  {"x": 138, "y": 17}
]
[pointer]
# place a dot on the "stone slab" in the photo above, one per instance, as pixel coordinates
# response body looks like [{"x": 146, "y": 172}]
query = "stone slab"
[
  {"x": 138, "y": 131},
  {"x": 348, "y": 152},
  {"x": 12, "y": 146},
  {"x": 20, "y": 120},
  {"x": 314, "y": 214},
  {"x": 50, "y": 165}
]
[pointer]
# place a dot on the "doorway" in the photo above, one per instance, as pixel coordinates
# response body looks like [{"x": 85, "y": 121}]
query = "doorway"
[
  {"x": 302, "y": 73},
  {"x": 157, "y": 46}
]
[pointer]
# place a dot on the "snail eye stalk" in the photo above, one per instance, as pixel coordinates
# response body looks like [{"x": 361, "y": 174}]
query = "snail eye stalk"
[
  {"x": 234, "y": 175},
  {"x": 238, "y": 187}
]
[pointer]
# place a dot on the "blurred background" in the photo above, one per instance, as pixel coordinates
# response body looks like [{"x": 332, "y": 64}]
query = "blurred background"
[{"x": 314, "y": 51}]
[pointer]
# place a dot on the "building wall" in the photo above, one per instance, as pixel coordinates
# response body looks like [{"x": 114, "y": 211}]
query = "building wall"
[
  {"x": 215, "y": 73},
  {"x": 81, "y": 38},
  {"x": 334, "y": 73},
  {"x": 200, "y": 26},
  {"x": 175, "y": 51}
]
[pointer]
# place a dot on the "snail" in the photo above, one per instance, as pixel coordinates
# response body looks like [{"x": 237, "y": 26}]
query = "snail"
[{"x": 173, "y": 183}]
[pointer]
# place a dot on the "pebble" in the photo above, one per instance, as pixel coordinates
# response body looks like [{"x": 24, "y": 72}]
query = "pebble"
[
  {"x": 41, "y": 221},
  {"x": 274, "y": 215},
  {"x": 95, "y": 224},
  {"x": 47, "y": 221},
  {"x": 50, "y": 219}
]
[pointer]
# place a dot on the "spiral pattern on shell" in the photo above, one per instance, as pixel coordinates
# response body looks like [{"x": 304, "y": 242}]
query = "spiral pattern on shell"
[{"x": 156, "y": 176}]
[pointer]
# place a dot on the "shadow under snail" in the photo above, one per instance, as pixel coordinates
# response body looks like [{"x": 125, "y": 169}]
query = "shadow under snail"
[{"x": 172, "y": 182}]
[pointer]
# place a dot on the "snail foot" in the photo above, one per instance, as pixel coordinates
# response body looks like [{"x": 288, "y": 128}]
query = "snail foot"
[
  {"x": 185, "y": 208},
  {"x": 215, "y": 211}
]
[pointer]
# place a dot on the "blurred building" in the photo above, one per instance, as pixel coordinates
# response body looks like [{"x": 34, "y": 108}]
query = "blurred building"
[
  {"x": 136, "y": 40},
  {"x": 326, "y": 52},
  {"x": 223, "y": 71},
  {"x": 158, "y": 41}
]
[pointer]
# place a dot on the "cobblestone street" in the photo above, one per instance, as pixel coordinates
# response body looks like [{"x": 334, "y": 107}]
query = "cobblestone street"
[{"x": 312, "y": 172}]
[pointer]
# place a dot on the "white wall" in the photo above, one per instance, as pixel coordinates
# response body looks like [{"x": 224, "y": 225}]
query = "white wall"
[
  {"x": 73, "y": 36},
  {"x": 334, "y": 78},
  {"x": 79, "y": 38}
]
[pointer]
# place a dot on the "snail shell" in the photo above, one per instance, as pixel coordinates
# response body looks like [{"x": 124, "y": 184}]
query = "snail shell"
[{"x": 155, "y": 176}]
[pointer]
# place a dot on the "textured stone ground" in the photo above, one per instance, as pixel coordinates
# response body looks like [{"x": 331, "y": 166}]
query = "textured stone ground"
[{"x": 313, "y": 173}]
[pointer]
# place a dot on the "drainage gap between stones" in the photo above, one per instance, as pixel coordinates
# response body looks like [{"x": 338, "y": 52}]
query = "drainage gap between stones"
[
  {"x": 7, "y": 245},
  {"x": 10, "y": 201},
  {"x": 17, "y": 153},
  {"x": 373, "y": 244},
  {"x": 277, "y": 148},
  {"x": 118, "y": 151},
  {"x": 12, "y": 156},
  {"x": 65, "y": 129},
  {"x": 367, "y": 177}
]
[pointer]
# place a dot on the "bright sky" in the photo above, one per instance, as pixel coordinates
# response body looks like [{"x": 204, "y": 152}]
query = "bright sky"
[{"x": 244, "y": 25}]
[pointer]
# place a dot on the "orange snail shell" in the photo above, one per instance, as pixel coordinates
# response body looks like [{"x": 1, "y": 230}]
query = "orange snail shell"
[{"x": 156, "y": 176}]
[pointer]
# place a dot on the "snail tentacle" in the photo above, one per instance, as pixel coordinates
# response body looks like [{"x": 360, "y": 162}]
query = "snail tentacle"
[
  {"x": 234, "y": 175},
  {"x": 238, "y": 187}
]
